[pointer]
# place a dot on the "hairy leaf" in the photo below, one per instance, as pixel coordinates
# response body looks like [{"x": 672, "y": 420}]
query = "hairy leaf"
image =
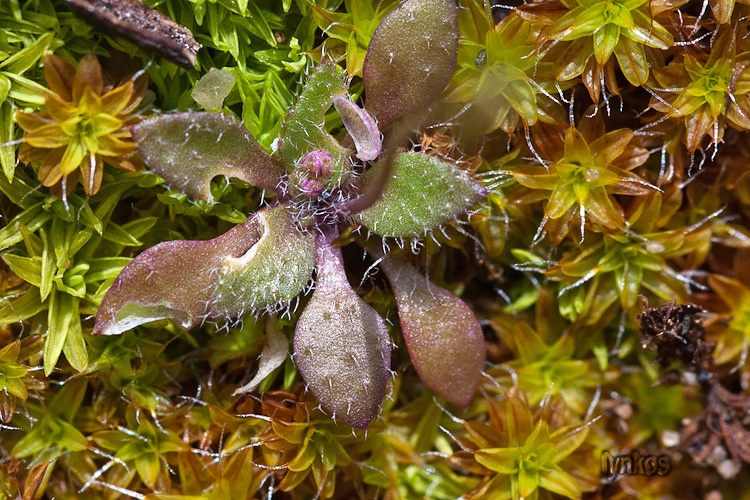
[
  {"x": 190, "y": 149},
  {"x": 410, "y": 58},
  {"x": 423, "y": 193},
  {"x": 271, "y": 273},
  {"x": 444, "y": 339},
  {"x": 175, "y": 280},
  {"x": 362, "y": 128},
  {"x": 341, "y": 345},
  {"x": 304, "y": 130}
]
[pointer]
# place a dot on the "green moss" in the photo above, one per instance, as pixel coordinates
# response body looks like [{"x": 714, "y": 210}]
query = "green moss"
[{"x": 612, "y": 137}]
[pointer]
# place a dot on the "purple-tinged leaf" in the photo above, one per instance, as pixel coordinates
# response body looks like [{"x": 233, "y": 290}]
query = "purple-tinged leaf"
[
  {"x": 442, "y": 335},
  {"x": 341, "y": 345},
  {"x": 361, "y": 127},
  {"x": 190, "y": 149},
  {"x": 423, "y": 193},
  {"x": 172, "y": 280},
  {"x": 313, "y": 172},
  {"x": 304, "y": 130},
  {"x": 410, "y": 58},
  {"x": 271, "y": 273}
]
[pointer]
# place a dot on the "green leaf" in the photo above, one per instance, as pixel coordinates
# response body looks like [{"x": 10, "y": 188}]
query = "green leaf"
[
  {"x": 79, "y": 239},
  {"x": 105, "y": 268},
  {"x": 502, "y": 460},
  {"x": 528, "y": 480},
  {"x": 33, "y": 243},
  {"x": 148, "y": 467},
  {"x": 89, "y": 219},
  {"x": 59, "y": 236},
  {"x": 28, "y": 269},
  {"x": 522, "y": 98},
  {"x": 259, "y": 24},
  {"x": 116, "y": 234},
  {"x": 558, "y": 481},
  {"x": 62, "y": 308},
  {"x": 75, "y": 346},
  {"x": 24, "y": 59},
  {"x": 272, "y": 272},
  {"x": 303, "y": 132},
  {"x": 19, "y": 308},
  {"x": 190, "y": 149},
  {"x": 580, "y": 22},
  {"x": 33, "y": 218},
  {"x": 20, "y": 191},
  {"x": 225, "y": 36},
  {"x": 7, "y": 129},
  {"x": 68, "y": 400},
  {"x": 73, "y": 281},
  {"x": 25, "y": 90},
  {"x": 646, "y": 30},
  {"x": 140, "y": 226},
  {"x": 423, "y": 193},
  {"x": 14, "y": 386},
  {"x": 605, "y": 40},
  {"x": 632, "y": 60},
  {"x": 48, "y": 267}
]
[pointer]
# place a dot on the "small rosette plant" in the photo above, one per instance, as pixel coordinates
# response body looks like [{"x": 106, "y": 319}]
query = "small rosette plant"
[{"x": 341, "y": 345}]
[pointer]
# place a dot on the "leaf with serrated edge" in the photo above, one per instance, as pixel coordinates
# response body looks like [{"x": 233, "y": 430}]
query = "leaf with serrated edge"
[
  {"x": 341, "y": 345},
  {"x": 423, "y": 193},
  {"x": 442, "y": 335},
  {"x": 174, "y": 279},
  {"x": 410, "y": 58},
  {"x": 271, "y": 273},
  {"x": 190, "y": 149}
]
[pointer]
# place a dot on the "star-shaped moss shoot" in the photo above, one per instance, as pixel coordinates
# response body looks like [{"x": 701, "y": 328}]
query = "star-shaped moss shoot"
[
  {"x": 707, "y": 91},
  {"x": 85, "y": 123},
  {"x": 341, "y": 345},
  {"x": 588, "y": 168},
  {"x": 522, "y": 451},
  {"x": 592, "y": 31}
]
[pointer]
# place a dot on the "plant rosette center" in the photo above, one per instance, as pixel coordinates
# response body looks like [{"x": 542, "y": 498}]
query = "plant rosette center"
[{"x": 314, "y": 173}]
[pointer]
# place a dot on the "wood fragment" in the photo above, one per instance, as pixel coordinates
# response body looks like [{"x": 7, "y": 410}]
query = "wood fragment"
[{"x": 145, "y": 27}]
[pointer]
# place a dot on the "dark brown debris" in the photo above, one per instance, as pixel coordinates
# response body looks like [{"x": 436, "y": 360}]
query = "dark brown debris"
[
  {"x": 141, "y": 25},
  {"x": 678, "y": 333},
  {"x": 720, "y": 435}
]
